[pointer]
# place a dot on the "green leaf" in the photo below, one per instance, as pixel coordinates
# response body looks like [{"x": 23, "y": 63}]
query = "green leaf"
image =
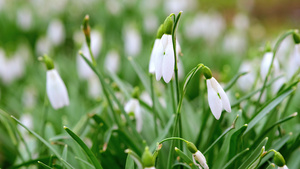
[
  {"x": 65, "y": 153},
  {"x": 232, "y": 160},
  {"x": 85, "y": 162},
  {"x": 271, "y": 166},
  {"x": 135, "y": 157},
  {"x": 185, "y": 158},
  {"x": 44, "y": 165},
  {"x": 129, "y": 162},
  {"x": 235, "y": 141},
  {"x": 256, "y": 153},
  {"x": 256, "y": 162},
  {"x": 234, "y": 80},
  {"x": 268, "y": 107},
  {"x": 88, "y": 152}
]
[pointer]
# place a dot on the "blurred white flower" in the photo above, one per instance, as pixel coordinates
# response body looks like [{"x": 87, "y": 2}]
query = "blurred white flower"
[
  {"x": 114, "y": 6},
  {"x": 266, "y": 63},
  {"x": 180, "y": 68},
  {"x": 235, "y": 42},
  {"x": 146, "y": 98},
  {"x": 132, "y": 40},
  {"x": 246, "y": 81},
  {"x": 112, "y": 61},
  {"x": 294, "y": 61},
  {"x": 11, "y": 68},
  {"x": 241, "y": 22},
  {"x": 29, "y": 97},
  {"x": 217, "y": 98},
  {"x": 198, "y": 156},
  {"x": 149, "y": 168},
  {"x": 84, "y": 71},
  {"x": 56, "y": 90},
  {"x": 175, "y": 6},
  {"x": 24, "y": 18},
  {"x": 94, "y": 87},
  {"x": 56, "y": 32},
  {"x": 2, "y": 5},
  {"x": 164, "y": 61},
  {"x": 278, "y": 84},
  {"x": 150, "y": 23},
  {"x": 42, "y": 46},
  {"x": 208, "y": 26},
  {"x": 284, "y": 50},
  {"x": 133, "y": 106}
]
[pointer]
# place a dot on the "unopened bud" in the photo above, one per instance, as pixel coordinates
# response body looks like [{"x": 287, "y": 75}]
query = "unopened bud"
[
  {"x": 278, "y": 159},
  {"x": 268, "y": 47},
  {"x": 48, "y": 62},
  {"x": 168, "y": 25},
  {"x": 86, "y": 29},
  {"x": 147, "y": 158},
  {"x": 207, "y": 72},
  {"x": 296, "y": 37},
  {"x": 191, "y": 147},
  {"x": 160, "y": 31}
]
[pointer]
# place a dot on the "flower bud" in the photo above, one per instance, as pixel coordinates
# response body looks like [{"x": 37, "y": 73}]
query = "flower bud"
[
  {"x": 268, "y": 47},
  {"x": 147, "y": 158},
  {"x": 278, "y": 159},
  {"x": 207, "y": 72},
  {"x": 168, "y": 25},
  {"x": 191, "y": 147},
  {"x": 86, "y": 29},
  {"x": 296, "y": 37},
  {"x": 136, "y": 93},
  {"x": 160, "y": 31}
]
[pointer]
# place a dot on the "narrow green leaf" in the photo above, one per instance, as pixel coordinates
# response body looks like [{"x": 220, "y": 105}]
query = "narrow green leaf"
[
  {"x": 185, "y": 158},
  {"x": 256, "y": 162},
  {"x": 234, "y": 80},
  {"x": 268, "y": 107},
  {"x": 222, "y": 135},
  {"x": 235, "y": 141},
  {"x": 181, "y": 165},
  {"x": 65, "y": 152},
  {"x": 135, "y": 157},
  {"x": 254, "y": 154},
  {"x": 44, "y": 165},
  {"x": 85, "y": 162},
  {"x": 232, "y": 160},
  {"x": 67, "y": 164},
  {"x": 88, "y": 152},
  {"x": 129, "y": 162},
  {"x": 271, "y": 166}
]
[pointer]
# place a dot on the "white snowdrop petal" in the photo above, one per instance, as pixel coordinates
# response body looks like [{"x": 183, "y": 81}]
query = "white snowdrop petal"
[
  {"x": 138, "y": 116},
  {"x": 265, "y": 64},
  {"x": 214, "y": 101},
  {"x": 158, "y": 62},
  {"x": 56, "y": 90},
  {"x": 224, "y": 99},
  {"x": 168, "y": 64},
  {"x": 165, "y": 41},
  {"x": 152, "y": 57},
  {"x": 201, "y": 159}
]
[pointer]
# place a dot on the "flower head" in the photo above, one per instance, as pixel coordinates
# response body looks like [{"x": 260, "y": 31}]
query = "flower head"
[
  {"x": 283, "y": 167},
  {"x": 133, "y": 106},
  {"x": 198, "y": 156},
  {"x": 266, "y": 63},
  {"x": 217, "y": 98}
]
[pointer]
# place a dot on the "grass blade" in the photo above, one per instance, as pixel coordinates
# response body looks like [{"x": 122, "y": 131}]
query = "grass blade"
[{"x": 85, "y": 148}]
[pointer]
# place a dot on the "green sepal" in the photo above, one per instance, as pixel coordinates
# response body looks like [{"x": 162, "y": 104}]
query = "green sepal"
[
  {"x": 191, "y": 147},
  {"x": 160, "y": 31},
  {"x": 48, "y": 62},
  {"x": 278, "y": 159},
  {"x": 207, "y": 72},
  {"x": 136, "y": 93},
  {"x": 168, "y": 25},
  {"x": 268, "y": 47},
  {"x": 147, "y": 158},
  {"x": 296, "y": 37}
]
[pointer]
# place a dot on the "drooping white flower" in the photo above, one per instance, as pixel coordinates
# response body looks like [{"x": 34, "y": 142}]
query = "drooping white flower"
[
  {"x": 198, "y": 156},
  {"x": 283, "y": 167},
  {"x": 164, "y": 62},
  {"x": 266, "y": 63},
  {"x": 112, "y": 61},
  {"x": 132, "y": 41},
  {"x": 246, "y": 82},
  {"x": 217, "y": 98},
  {"x": 84, "y": 71},
  {"x": 133, "y": 106},
  {"x": 94, "y": 87},
  {"x": 42, "y": 45},
  {"x": 153, "y": 56},
  {"x": 56, "y": 90},
  {"x": 24, "y": 19},
  {"x": 294, "y": 61},
  {"x": 56, "y": 32}
]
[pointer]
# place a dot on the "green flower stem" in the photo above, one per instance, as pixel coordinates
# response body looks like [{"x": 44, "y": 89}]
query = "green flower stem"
[
  {"x": 44, "y": 120},
  {"x": 108, "y": 91},
  {"x": 172, "y": 138},
  {"x": 92, "y": 56},
  {"x": 190, "y": 75},
  {"x": 153, "y": 106},
  {"x": 281, "y": 38}
]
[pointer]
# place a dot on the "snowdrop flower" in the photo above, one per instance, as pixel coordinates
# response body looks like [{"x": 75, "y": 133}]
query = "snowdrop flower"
[
  {"x": 112, "y": 61},
  {"x": 132, "y": 41},
  {"x": 153, "y": 56},
  {"x": 24, "y": 19},
  {"x": 95, "y": 88},
  {"x": 197, "y": 156},
  {"x": 246, "y": 81},
  {"x": 266, "y": 63},
  {"x": 235, "y": 42},
  {"x": 56, "y": 32},
  {"x": 217, "y": 98},
  {"x": 84, "y": 71},
  {"x": 294, "y": 60},
  {"x": 42, "y": 46},
  {"x": 133, "y": 106},
  {"x": 56, "y": 89}
]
